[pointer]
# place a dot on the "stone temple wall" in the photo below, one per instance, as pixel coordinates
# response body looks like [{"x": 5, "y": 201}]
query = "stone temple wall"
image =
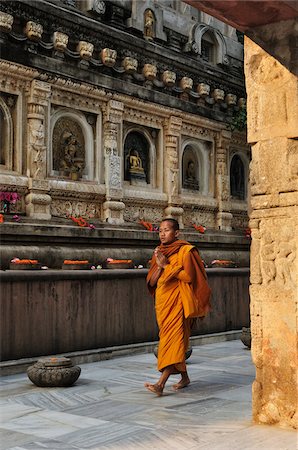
[{"x": 121, "y": 127}]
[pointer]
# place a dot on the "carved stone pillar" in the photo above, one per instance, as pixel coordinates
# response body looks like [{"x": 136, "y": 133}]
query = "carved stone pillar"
[
  {"x": 172, "y": 137},
  {"x": 223, "y": 217},
  {"x": 272, "y": 129},
  {"x": 113, "y": 206},
  {"x": 38, "y": 199}
]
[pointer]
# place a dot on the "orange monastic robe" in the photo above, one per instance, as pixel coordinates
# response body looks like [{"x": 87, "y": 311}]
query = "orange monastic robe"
[{"x": 174, "y": 328}]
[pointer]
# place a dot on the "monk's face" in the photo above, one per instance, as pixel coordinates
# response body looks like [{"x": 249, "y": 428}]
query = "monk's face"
[{"x": 167, "y": 233}]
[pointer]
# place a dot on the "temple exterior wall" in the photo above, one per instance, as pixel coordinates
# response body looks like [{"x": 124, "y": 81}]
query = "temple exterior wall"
[{"x": 119, "y": 114}]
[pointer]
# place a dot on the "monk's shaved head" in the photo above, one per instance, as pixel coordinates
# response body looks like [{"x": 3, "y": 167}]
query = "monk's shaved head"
[{"x": 174, "y": 223}]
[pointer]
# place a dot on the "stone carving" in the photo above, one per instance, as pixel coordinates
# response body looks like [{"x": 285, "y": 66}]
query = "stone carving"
[
  {"x": 85, "y": 49},
  {"x": 268, "y": 255},
  {"x": 149, "y": 24},
  {"x": 149, "y": 71},
  {"x": 242, "y": 102},
  {"x": 6, "y": 21},
  {"x": 285, "y": 257},
  {"x": 136, "y": 151},
  {"x": 231, "y": 99},
  {"x": 60, "y": 41},
  {"x": 218, "y": 95},
  {"x": 203, "y": 89},
  {"x": 130, "y": 64},
  {"x": 99, "y": 6},
  {"x": 33, "y": 31},
  {"x": 135, "y": 213},
  {"x": 50, "y": 372},
  {"x": 66, "y": 208},
  {"x": 108, "y": 57},
  {"x": 114, "y": 170},
  {"x": 190, "y": 180},
  {"x": 72, "y": 164},
  {"x": 169, "y": 78},
  {"x": 186, "y": 83},
  {"x": 68, "y": 148}
]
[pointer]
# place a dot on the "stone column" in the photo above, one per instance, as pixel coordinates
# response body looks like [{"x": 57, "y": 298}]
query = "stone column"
[
  {"x": 171, "y": 158},
  {"x": 113, "y": 206},
  {"x": 272, "y": 131},
  {"x": 38, "y": 199},
  {"x": 223, "y": 217}
]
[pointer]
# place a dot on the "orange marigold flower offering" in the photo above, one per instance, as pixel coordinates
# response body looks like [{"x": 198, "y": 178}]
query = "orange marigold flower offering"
[
  {"x": 24, "y": 261},
  {"x": 75, "y": 261}
]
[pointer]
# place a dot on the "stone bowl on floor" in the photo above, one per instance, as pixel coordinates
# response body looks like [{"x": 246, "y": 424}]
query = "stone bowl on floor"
[
  {"x": 187, "y": 354},
  {"x": 53, "y": 372}
]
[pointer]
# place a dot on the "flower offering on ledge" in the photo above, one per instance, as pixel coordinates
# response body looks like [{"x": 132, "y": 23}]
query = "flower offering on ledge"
[
  {"x": 81, "y": 222},
  {"x": 111, "y": 263},
  {"x": 149, "y": 226},
  {"x": 75, "y": 264},
  {"x": 199, "y": 228},
  {"x": 224, "y": 263},
  {"x": 24, "y": 264}
]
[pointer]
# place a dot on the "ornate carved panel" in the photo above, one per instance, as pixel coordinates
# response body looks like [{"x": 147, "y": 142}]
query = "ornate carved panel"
[{"x": 68, "y": 148}]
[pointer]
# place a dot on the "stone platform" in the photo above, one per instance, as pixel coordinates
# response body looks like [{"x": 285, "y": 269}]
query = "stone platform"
[{"x": 108, "y": 408}]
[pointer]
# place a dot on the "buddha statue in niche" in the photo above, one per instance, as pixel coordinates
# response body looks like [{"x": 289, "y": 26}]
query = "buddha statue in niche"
[
  {"x": 72, "y": 164},
  {"x": 190, "y": 180}
]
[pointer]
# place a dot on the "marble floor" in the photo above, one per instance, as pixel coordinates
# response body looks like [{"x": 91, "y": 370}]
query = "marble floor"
[{"x": 108, "y": 407}]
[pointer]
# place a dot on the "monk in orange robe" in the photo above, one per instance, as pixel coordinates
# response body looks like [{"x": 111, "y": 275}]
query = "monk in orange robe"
[{"x": 176, "y": 274}]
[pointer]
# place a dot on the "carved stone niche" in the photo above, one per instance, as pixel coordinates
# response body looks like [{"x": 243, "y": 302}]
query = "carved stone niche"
[
  {"x": 69, "y": 159},
  {"x": 136, "y": 159},
  {"x": 190, "y": 169},
  {"x": 237, "y": 178}
]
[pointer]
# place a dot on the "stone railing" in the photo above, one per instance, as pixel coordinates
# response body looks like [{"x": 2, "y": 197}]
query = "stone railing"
[{"x": 51, "y": 312}]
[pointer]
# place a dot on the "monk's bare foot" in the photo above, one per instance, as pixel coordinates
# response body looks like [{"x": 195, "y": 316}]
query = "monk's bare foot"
[
  {"x": 155, "y": 388},
  {"x": 182, "y": 384}
]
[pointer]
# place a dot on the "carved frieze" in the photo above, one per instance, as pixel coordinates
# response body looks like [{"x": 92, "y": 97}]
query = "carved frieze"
[{"x": 71, "y": 207}]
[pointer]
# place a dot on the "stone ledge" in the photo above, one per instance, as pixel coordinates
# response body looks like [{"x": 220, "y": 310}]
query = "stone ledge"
[{"x": 101, "y": 354}]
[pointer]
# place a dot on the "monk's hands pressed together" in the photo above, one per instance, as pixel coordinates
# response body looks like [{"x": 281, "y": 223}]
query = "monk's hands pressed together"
[{"x": 161, "y": 260}]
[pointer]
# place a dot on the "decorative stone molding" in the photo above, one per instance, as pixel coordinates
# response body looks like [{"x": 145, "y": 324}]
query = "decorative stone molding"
[
  {"x": 108, "y": 57},
  {"x": 172, "y": 134},
  {"x": 113, "y": 212},
  {"x": 38, "y": 200},
  {"x": 169, "y": 78},
  {"x": 60, "y": 41},
  {"x": 149, "y": 71},
  {"x": 85, "y": 50},
  {"x": 33, "y": 31},
  {"x": 6, "y": 21},
  {"x": 130, "y": 64}
]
